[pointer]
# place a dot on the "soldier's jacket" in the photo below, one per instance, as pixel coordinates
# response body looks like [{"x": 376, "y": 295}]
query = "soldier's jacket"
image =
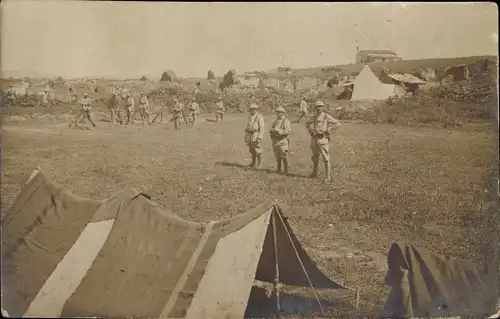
[
  {"x": 114, "y": 103},
  {"x": 281, "y": 130},
  {"x": 129, "y": 103},
  {"x": 220, "y": 107},
  {"x": 179, "y": 107},
  {"x": 144, "y": 102},
  {"x": 255, "y": 127},
  {"x": 319, "y": 127},
  {"x": 195, "y": 108},
  {"x": 85, "y": 102},
  {"x": 304, "y": 107}
]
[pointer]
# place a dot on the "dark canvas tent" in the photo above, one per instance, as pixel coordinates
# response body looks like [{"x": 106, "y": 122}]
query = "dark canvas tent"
[
  {"x": 126, "y": 256},
  {"x": 168, "y": 76},
  {"x": 425, "y": 284}
]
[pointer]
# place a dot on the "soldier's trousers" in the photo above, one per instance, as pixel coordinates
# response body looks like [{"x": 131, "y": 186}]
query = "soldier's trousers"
[
  {"x": 219, "y": 115},
  {"x": 255, "y": 148},
  {"x": 144, "y": 114},
  {"x": 115, "y": 116},
  {"x": 130, "y": 115},
  {"x": 318, "y": 149},
  {"x": 281, "y": 150},
  {"x": 178, "y": 122}
]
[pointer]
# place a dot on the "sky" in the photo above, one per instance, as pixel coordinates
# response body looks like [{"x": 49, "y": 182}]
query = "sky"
[{"x": 130, "y": 39}]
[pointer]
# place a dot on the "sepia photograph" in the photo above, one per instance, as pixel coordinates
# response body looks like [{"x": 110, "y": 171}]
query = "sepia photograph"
[{"x": 249, "y": 159}]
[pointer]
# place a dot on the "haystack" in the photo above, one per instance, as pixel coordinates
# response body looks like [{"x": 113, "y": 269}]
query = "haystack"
[
  {"x": 168, "y": 76},
  {"x": 228, "y": 80},
  {"x": 144, "y": 78},
  {"x": 210, "y": 75}
]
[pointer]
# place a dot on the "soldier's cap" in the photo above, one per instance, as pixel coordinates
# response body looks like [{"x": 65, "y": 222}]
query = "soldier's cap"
[
  {"x": 194, "y": 99},
  {"x": 254, "y": 106},
  {"x": 280, "y": 110},
  {"x": 319, "y": 104},
  {"x": 85, "y": 94},
  {"x": 142, "y": 93},
  {"x": 219, "y": 98}
]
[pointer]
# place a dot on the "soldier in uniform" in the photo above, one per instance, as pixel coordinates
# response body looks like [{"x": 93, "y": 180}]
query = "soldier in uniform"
[
  {"x": 253, "y": 135},
  {"x": 45, "y": 98},
  {"x": 320, "y": 126},
  {"x": 129, "y": 109},
  {"x": 144, "y": 108},
  {"x": 303, "y": 109},
  {"x": 220, "y": 110},
  {"x": 177, "y": 114},
  {"x": 195, "y": 110},
  {"x": 11, "y": 93},
  {"x": 279, "y": 135},
  {"x": 114, "y": 109},
  {"x": 84, "y": 112}
]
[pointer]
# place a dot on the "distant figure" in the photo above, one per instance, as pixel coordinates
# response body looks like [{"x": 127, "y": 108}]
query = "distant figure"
[
  {"x": 129, "y": 109},
  {"x": 11, "y": 93},
  {"x": 144, "y": 108},
  {"x": 253, "y": 135},
  {"x": 319, "y": 127},
  {"x": 177, "y": 114},
  {"x": 114, "y": 108},
  {"x": 280, "y": 130},
  {"x": 84, "y": 112},
  {"x": 195, "y": 111},
  {"x": 303, "y": 109},
  {"x": 220, "y": 110},
  {"x": 45, "y": 98}
]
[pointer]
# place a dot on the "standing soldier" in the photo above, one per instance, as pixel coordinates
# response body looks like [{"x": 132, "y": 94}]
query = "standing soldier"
[
  {"x": 114, "y": 109},
  {"x": 71, "y": 94},
  {"x": 144, "y": 108},
  {"x": 253, "y": 135},
  {"x": 84, "y": 112},
  {"x": 279, "y": 135},
  {"x": 129, "y": 109},
  {"x": 177, "y": 116},
  {"x": 319, "y": 127},
  {"x": 195, "y": 110},
  {"x": 303, "y": 109},
  {"x": 45, "y": 98},
  {"x": 220, "y": 110}
]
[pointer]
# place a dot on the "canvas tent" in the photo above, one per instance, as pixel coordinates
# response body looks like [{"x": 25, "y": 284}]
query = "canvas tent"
[
  {"x": 368, "y": 87},
  {"x": 424, "y": 284},
  {"x": 125, "y": 256}
]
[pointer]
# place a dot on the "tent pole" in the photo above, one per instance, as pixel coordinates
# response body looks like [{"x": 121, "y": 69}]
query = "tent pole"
[
  {"x": 277, "y": 277},
  {"x": 357, "y": 299}
]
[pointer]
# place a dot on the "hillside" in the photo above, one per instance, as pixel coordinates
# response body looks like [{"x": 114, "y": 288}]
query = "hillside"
[{"x": 404, "y": 66}]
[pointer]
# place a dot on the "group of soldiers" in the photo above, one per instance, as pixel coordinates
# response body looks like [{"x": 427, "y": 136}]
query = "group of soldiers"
[
  {"x": 319, "y": 126},
  {"x": 180, "y": 113}
]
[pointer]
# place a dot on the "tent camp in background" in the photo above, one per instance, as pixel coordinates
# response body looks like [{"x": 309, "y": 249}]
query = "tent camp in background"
[
  {"x": 424, "y": 284},
  {"x": 126, "y": 256},
  {"x": 367, "y": 86}
]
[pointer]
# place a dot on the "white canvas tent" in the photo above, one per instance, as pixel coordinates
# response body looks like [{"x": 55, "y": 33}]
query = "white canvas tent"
[
  {"x": 368, "y": 87},
  {"x": 125, "y": 256}
]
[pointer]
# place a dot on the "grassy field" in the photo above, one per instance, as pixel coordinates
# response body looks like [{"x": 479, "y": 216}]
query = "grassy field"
[{"x": 425, "y": 186}]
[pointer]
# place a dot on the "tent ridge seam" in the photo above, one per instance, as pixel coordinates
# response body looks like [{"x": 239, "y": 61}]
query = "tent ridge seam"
[{"x": 187, "y": 271}]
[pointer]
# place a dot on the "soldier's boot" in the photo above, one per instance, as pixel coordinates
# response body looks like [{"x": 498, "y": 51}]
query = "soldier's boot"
[
  {"x": 285, "y": 166},
  {"x": 278, "y": 166},
  {"x": 254, "y": 158},
  {"x": 314, "y": 173},
  {"x": 328, "y": 170},
  {"x": 259, "y": 161}
]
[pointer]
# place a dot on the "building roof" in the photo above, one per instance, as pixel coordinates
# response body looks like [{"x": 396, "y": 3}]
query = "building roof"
[
  {"x": 406, "y": 78},
  {"x": 377, "y": 52}
]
